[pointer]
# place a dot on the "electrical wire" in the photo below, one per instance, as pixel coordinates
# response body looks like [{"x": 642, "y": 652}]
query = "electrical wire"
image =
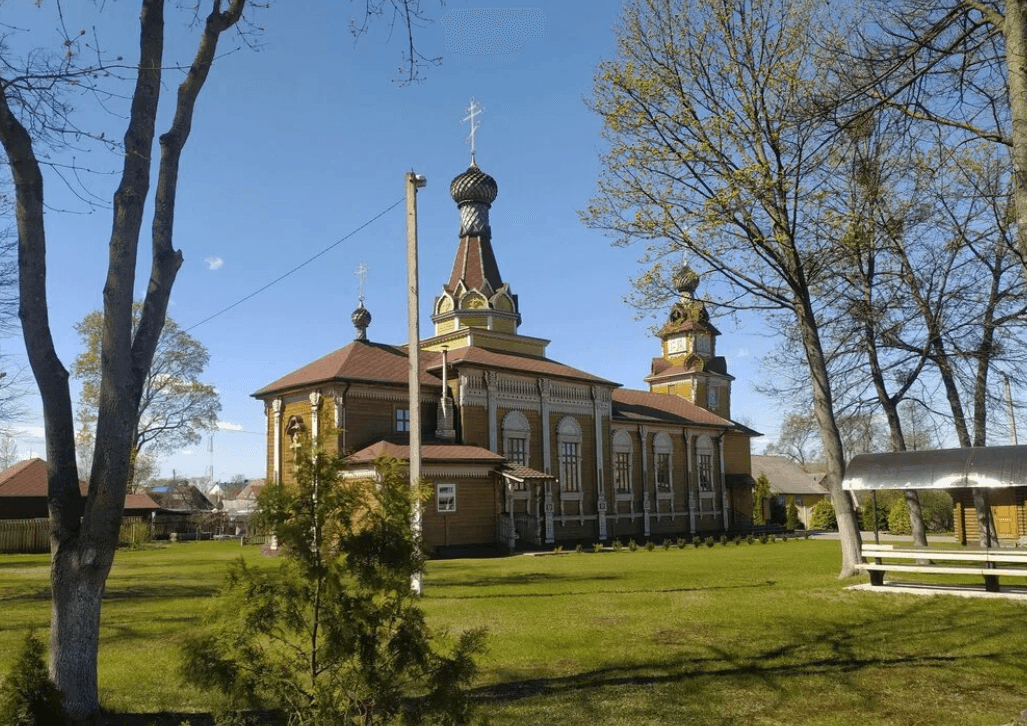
[{"x": 300, "y": 266}]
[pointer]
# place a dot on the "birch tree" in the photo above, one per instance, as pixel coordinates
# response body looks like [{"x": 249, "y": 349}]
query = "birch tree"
[{"x": 716, "y": 147}]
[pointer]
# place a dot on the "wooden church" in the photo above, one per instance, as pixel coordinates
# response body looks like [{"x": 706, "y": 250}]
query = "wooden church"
[{"x": 523, "y": 451}]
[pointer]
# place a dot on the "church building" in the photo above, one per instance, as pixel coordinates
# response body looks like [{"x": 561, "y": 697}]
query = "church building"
[{"x": 523, "y": 451}]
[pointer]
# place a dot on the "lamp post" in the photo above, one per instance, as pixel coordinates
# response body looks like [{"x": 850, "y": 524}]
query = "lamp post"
[{"x": 413, "y": 183}]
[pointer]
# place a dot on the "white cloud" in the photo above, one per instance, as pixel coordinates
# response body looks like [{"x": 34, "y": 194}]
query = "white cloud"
[
  {"x": 214, "y": 262},
  {"x": 186, "y": 452},
  {"x": 742, "y": 353},
  {"x": 225, "y": 426},
  {"x": 30, "y": 432}
]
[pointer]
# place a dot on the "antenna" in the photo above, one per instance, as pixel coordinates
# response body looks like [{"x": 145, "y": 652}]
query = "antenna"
[{"x": 473, "y": 112}]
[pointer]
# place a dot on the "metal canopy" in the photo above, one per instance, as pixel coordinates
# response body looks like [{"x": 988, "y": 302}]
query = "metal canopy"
[{"x": 991, "y": 466}]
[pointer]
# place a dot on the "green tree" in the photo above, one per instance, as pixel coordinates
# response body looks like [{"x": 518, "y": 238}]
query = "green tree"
[
  {"x": 39, "y": 91},
  {"x": 823, "y": 516},
  {"x": 760, "y": 495},
  {"x": 335, "y": 635},
  {"x": 175, "y": 407},
  {"x": 792, "y": 521},
  {"x": 716, "y": 148},
  {"x": 898, "y": 517},
  {"x": 27, "y": 695}
]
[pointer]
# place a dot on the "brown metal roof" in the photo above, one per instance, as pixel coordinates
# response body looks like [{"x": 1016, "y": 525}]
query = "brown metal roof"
[
  {"x": 632, "y": 405},
  {"x": 523, "y": 473},
  {"x": 522, "y": 363},
  {"x": 28, "y": 479},
  {"x": 429, "y": 452},
  {"x": 475, "y": 264},
  {"x": 361, "y": 360}
]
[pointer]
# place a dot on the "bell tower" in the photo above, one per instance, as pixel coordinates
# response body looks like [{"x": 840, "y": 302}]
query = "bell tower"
[{"x": 689, "y": 366}]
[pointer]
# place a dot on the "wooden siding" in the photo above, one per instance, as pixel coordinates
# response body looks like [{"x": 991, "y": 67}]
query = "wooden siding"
[{"x": 474, "y": 522}]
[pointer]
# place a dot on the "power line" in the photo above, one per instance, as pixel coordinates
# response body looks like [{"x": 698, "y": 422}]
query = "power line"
[{"x": 299, "y": 266}]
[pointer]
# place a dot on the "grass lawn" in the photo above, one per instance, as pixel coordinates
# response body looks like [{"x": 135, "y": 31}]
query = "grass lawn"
[{"x": 748, "y": 634}]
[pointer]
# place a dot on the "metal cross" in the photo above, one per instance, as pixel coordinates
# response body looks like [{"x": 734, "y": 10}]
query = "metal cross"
[
  {"x": 361, "y": 272},
  {"x": 473, "y": 111}
]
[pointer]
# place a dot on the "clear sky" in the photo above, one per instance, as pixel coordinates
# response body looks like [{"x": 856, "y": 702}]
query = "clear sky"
[{"x": 302, "y": 141}]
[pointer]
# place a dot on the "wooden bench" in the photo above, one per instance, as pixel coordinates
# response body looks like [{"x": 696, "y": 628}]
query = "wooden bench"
[{"x": 989, "y": 563}]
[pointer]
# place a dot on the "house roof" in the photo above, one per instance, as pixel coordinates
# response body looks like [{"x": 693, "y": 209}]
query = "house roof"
[
  {"x": 787, "y": 477},
  {"x": 429, "y": 452},
  {"x": 633, "y": 405},
  {"x": 361, "y": 360},
  {"x": 251, "y": 490},
  {"x": 523, "y": 473},
  {"x": 28, "y": 478}
]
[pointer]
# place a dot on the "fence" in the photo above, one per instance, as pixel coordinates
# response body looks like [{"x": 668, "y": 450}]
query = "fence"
[{"x": 24, "y": 536}]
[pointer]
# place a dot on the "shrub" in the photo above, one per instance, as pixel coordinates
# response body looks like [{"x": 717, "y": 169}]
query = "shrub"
[
  {"x": 134, "y": 534},
  {"x": 616, "y": 545},
  {"x": 578, "y": 548},
  {"x": 763, "y": 538},
  {"x": 330, "y": 639},
  {"x": 898, "y": 518},
  {"x": 750, "y": 539},
  {"x": 633, "y": 545},
  {"x": 682, "y": 543},
  {"x": 823, "y": 516},
  {"x": 650, "y": 546},
  {"x": 709, "y": 541},
  {"x": 696, "y": 541},
  {"x": 597, "y": 547},
  {"x": 866, "y": 515},
  {"x": 27, "y": 695},
  {"x": 723, "y": 539},
  {"x": 558, "y": 550},
  {"x": 792, "y": 520},
  {"x": 738, "y": 540},
  {"x": 666, "y": 544}
]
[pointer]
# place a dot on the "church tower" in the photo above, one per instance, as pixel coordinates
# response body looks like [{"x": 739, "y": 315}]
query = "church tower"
[{"x": 690, "y": 367}]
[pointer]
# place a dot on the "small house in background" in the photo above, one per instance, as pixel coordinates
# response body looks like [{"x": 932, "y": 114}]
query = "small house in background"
[
  {"x": 23, "y": 493},
  {"x": 789, "y": 481},
  {"x": 181, "y": 497}
]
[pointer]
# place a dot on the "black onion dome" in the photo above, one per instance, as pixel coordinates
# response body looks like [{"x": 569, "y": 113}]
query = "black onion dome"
[
  {"x": 361, "y": 318},
  {"x": 474, "y": 185},
  {"x": 686, "y": 280}
]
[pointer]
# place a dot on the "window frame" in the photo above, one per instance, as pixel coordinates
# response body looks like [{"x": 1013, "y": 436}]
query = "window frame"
[
  {"x": 568, "y": 448},
  {"x": 451, "y": 497},
  {"x": 401, "y": 422}
]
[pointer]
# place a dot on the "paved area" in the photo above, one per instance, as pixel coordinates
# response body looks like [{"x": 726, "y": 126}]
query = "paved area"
[{"x": 907, "y": 588}]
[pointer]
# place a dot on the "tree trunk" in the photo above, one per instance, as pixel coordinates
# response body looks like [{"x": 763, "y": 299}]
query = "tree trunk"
[
  {"x": 834, "y": 457},
  {"x": 1014, "y": 31}
]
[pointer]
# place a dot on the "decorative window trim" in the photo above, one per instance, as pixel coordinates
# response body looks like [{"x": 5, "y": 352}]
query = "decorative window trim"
[
  {"x": 623, "y": 474},
  {"x": 516, "y": 428},
  {"x": 704, "y": 466},
  {"x": 568, "y": 448},
  {"x": 663, "y": 465},
  {"x": 445, "y": 498}
]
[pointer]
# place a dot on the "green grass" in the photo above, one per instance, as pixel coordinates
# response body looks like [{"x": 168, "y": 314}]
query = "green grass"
[{"x": 748, "y": 634}]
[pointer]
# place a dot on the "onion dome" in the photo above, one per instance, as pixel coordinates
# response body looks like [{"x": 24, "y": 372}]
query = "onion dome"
[
  {"x": 686, "y": 281},
  {"x": 474, "y": 191},
  {"x": 361, "y": 320}
]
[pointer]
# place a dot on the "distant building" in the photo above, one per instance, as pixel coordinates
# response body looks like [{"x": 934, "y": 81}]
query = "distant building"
[
  {"x": 23, "y": 490},
  {"x": 790, "y": 482},
  {"x": 523, "y": 450}
]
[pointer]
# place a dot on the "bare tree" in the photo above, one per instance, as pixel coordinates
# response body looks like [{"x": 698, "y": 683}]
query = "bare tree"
[{"x": 716, "y": 146}]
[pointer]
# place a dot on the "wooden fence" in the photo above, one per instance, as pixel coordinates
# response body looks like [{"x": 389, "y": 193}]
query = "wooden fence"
[{"x": 24, "y": 536}]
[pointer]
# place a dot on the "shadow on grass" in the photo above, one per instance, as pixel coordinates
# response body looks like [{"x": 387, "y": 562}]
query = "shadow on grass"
[
  {"x": 611, "y": 591},
  {"x": 837, "y": 651}
]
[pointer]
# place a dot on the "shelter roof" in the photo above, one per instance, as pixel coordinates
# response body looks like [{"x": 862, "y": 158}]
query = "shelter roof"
[{"x": 988, "y": 466}]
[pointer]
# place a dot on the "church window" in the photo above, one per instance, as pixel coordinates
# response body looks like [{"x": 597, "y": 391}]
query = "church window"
[
  {"x": 402, "y": 419},
  {"x": 664, "y": 473},
  {"x": 706, "y": 472},
  {"x": 568, "y": 437},
  {"x": 516, "y": 432},
  {"x": 445, "y": 497},
  {"x": 622, "y": 463},
  {"x": 702, "y": 344},
  {"x": 713, "y": 396}
]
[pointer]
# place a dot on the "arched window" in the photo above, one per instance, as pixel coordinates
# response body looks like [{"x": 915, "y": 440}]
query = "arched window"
[
  {"x": 704, "y": 462},
  {"x": 663, "y": 449},
  {"x": 516, "y": 436},
  {"x": 622, "y": 452},
  {"x": 568, "y": 440}
]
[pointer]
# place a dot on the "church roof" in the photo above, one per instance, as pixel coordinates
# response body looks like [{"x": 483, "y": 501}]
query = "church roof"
[
  {"x": 521, "y": 363},
  {"x": 663, "y": 368},
  {"x": 429, "y": 452},
  {"x": 475, "y": 265},
  {"x": 361, "y": 360},
  {"x": 632, "y": 405}
]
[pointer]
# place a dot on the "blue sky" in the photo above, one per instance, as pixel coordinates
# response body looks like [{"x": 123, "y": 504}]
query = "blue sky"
[{"x": 300, "y": 142}]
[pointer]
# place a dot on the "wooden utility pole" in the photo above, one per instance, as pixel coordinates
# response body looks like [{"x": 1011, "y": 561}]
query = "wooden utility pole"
[{"x": 413, "y": 183}]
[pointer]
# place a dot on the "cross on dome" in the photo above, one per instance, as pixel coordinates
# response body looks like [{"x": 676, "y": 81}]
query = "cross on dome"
[
  {"x": 473, "y": 111},
  {"x": 361, "y": 273}
]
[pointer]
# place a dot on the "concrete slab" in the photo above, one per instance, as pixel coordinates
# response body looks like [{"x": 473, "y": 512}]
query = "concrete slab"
[{"x": 911, "y": 588}]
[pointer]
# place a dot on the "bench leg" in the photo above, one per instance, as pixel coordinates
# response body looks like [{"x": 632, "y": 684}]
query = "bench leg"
[
  {"x": 991, "y": 583},
  {"x": 877, "y": 577}
]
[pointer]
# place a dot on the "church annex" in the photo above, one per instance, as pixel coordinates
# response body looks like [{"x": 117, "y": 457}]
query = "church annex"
[{"x": 521, "y": 450}]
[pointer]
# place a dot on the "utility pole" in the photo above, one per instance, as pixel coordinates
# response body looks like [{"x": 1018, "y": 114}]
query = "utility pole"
[{"x": 413, "y": 183}]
